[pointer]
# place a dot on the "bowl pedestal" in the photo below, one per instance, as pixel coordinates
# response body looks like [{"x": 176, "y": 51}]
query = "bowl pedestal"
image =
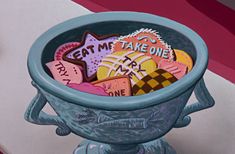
[
  {"x": 158, "y": 146},
  {"x": 34, "y": 114}
]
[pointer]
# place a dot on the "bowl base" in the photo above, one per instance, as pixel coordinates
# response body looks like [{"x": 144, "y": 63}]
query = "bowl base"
[{"x": 158, "y": 146}]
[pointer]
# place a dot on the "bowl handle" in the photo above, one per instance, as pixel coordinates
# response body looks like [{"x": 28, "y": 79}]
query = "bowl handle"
[
  {"x": 34, "y": 114},
  {"x": 205, "y": 101}
]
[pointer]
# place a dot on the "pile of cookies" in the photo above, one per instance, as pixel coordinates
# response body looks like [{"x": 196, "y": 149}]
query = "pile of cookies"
[{"x": 112, "y": 65}]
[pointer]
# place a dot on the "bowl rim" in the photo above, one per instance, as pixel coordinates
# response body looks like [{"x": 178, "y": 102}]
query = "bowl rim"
[{"x": 48, "y": 84}]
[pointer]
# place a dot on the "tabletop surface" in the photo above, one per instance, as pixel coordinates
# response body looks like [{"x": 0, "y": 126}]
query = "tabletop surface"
[{"x": 211, "y": 131}]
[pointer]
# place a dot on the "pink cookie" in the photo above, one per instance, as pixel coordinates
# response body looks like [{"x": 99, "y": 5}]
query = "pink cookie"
[
  {"x": 175, "y": 68},
  {"x": 88, "y": 88},
  {"x": 65, "y": 72},
  {"x": 64, "y": 48}
]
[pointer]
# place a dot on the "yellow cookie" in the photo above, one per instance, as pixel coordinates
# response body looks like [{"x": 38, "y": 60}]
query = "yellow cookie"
[
  {"x": 184, "y": 58},
  {"x": 134, "y": 64}
]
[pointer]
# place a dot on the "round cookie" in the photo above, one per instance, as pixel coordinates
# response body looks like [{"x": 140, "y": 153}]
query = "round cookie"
[
  {"x": 133, "y": 64},
  {"x": 64, "y": 48},
  {"x": 184, "y": 57},
  {"x": 147, "y": 41},
  {"x": 152, "y": 82}
]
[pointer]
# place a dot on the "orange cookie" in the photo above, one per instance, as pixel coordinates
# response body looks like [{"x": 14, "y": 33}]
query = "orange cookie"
[
  {"x": 145, "y": 41},
  {"x": 184, "y": 58},
  {"x": 115, "y": 86}
]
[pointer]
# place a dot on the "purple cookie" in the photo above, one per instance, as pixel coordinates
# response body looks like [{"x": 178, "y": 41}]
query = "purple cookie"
[
  {"x": 90, "y": 53},
  {"x": 88, "y": 88}
]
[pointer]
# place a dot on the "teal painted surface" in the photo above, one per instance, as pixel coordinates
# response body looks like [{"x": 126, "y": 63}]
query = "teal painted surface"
[
  {"x": 38, "y": 54},
  {"x": 159, "y": 146},
  {"x": 120, "y": 127},
  {"x": 117, "y": 120}
]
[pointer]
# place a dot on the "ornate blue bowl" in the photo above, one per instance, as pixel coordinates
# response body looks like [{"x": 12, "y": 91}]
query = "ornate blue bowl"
[{"x": 119, "y": 125}]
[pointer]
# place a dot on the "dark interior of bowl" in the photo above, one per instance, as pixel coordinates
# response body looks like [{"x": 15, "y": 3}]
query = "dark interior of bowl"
[{"x": 172, "y": 37}]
